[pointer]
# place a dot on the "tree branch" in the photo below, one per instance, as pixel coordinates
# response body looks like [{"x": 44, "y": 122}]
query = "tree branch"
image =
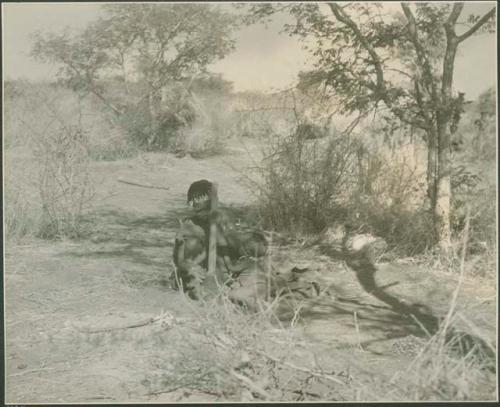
[
  {"x": 476, "y": 26},
  {"x": 380, "y": 85},
  {"x": 344, "y": 18},
  {"x": 455, "y": 13},
  {"x": 420, "y": 102},
  {"x": 421, "y": 55}
]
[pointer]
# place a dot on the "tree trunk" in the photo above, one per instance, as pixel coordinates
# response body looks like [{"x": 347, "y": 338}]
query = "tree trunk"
[
  {"x": 442, "y": 206},
  {"x": 444, "y": 116},
  {"x": 432, "y": 167},
  {"x": 153, "y": 117}
]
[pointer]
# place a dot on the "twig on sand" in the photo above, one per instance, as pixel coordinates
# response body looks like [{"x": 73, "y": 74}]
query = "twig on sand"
[
  {"x": 118, "y": 328},
  {"x": 142, "y": 185}
]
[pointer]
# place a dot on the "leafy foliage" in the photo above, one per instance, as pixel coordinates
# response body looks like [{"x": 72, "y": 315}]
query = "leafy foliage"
[
  {"x": 370, "y": 59},
  {"x": 147, "y": 48},
  {"x": 161, "y": 42}
]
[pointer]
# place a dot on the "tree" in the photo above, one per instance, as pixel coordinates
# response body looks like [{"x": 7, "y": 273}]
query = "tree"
[
  {"x": 154, "y": 44},
  {"x": 374, "y": 60}
]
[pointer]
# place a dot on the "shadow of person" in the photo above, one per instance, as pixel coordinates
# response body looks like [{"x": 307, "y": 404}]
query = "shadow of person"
[{"x": 419, "y": 316}]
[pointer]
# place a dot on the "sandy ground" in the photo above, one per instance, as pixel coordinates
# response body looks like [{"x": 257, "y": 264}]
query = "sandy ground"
[{"x": 56, "y": 293}]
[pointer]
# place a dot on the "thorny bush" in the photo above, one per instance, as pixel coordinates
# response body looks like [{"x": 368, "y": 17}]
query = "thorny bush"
[{"x": 64, "y": 182}]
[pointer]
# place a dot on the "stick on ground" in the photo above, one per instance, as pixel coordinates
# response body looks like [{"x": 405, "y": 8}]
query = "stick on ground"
[{"x": 142, "y": 185}]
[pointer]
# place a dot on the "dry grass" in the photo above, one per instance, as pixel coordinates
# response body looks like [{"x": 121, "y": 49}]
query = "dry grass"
[
  {"x": 220, "y": 351},
  {"x": 233, "y": 355},
  {"x": 443, "y": 370},
  {"x": 51, "y": 137},
  {"x": 227, "y": 354}
]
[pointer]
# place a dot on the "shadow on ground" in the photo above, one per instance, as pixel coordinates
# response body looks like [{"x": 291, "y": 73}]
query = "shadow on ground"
[
  {"x": 400, "y": 318},
  {"x": 147, "y": 241},
  {"x": 141, "y": 245}
]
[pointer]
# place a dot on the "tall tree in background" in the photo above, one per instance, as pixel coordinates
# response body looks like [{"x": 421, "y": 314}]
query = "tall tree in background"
[
  {"x": 156, "y": 44},
  {"x": 373, "y": 58}
]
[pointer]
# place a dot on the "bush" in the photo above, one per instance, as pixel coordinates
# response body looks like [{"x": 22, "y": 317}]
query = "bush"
[
  {"x": 64, "y": 181},
  {"x": 407, "y": 232},
  {"x": 308, "y": 185},
  {"x": 136, "y": 125},
  {"x": 31, "y": 107},
  {"x": 48, "y": 191},
  {"x": 21, "y": 209},
  {"x": 305, "y": 183},
  {"x": 47, "y": 182},
  {"x": 478, "y": 193},
  {"x": 208, "y": 133},
  {"x": 390, "y": 201}
]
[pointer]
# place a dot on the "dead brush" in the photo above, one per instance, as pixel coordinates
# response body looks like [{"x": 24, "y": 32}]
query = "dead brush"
[
  {"x": 302, "y": 181},
  {"x": 58, "y": 167},
  {"x": 64, "y": 182},
  {"x": 21, "y": 212},
  {"x": 390, "y": 201},
  {"x": 207, "y": 135},
  {"x": 231, "y": 355}
]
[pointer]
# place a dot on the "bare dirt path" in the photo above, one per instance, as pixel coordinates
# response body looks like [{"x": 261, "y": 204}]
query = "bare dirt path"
[
  {"x": 117, "y": 277},
  {"x": 57, "y": 293}
]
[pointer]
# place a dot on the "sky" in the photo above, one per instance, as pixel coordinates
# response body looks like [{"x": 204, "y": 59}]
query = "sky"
[{"x": 264, "y": 59}]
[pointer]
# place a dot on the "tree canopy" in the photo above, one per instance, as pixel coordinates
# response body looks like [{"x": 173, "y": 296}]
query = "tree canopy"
[
  {"x": 153, "y": 42},
  {"x": 373, "y": 57}
]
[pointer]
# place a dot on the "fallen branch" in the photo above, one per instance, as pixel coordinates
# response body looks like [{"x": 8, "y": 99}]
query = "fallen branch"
[
  {"x": 118, "y": 328},
  {"x": 142, "y": 185}
]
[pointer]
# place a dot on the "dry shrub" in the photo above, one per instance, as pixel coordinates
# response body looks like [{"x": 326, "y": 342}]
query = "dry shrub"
[
  {"x": 305, "y": 182},
  {"x": 135, "y": 123},
  {"x": 208, "y": 133},
  {"x": 58, "y": 164},
  {"x": 112, "y": 151},
  {"x": 310, "y": 184},
  {"x": 391, "y": 200},
  {"x": 64, "y": 181},
  {"x": 237, "y": 356},
  {"x": 31, "y": 107},
  {"x": 108, "y": 137},
  {"x": 261, "y": 123},
  {"x": 474, "y": 188},
  {"x": 22, "y": 211},
  {"x": 313, "y": 176}
]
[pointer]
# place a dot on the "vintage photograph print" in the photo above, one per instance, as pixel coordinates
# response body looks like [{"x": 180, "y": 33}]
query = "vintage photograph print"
[{"x": 216, "y": 202}]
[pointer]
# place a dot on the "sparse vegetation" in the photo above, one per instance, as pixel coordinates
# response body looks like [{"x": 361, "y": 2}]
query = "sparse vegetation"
[
  {"x": 52, "y": 189},
  {"x": 96, "y": 169},
  {"x": 305, "y": 185},
  {"x": 64, "y": 182}
]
